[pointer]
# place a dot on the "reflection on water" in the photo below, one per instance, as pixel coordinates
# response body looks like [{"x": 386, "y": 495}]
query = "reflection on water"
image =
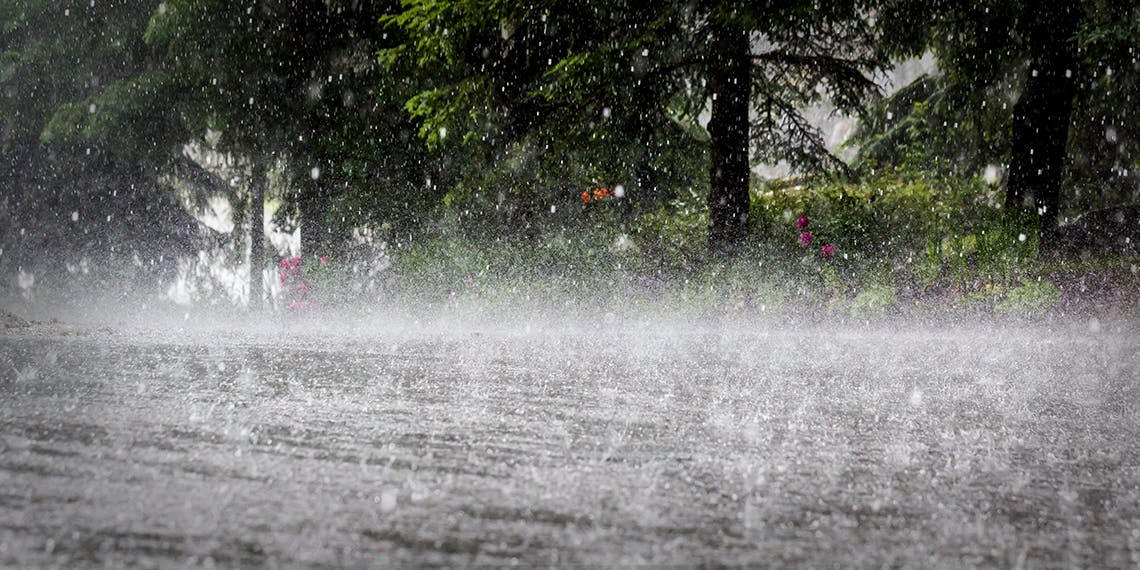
[{"x": 602, "y": 445}]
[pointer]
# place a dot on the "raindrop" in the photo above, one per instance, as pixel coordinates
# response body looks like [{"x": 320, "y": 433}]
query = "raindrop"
[
  {"x": 606, "y": 112},
  {"x": 619, "y": 191},
  {"x": 75, "y": 216},
  {"x": 315, "y": 173},
  {"x": 916, "y": 398},
  {"x": 388, "y": 500},
  {"x": 1020, "y": 237},
  {"x": 443, "y": 132},
  {"x": 162, "y": 8},
  {"x": 1110, "y": 134},
  {"x": 91, "y": 108}
]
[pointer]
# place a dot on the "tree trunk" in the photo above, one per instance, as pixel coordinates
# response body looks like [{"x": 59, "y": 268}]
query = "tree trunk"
[
  {"x": 730, "y": 83},
  {"x": 1041, "y": 115},
  {"x": 257, "y": 186}
]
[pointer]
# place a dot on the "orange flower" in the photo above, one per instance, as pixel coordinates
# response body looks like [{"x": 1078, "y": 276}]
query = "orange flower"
[
  {"x": 586, "y": 197},
  {"x": 601, "y": 193}
]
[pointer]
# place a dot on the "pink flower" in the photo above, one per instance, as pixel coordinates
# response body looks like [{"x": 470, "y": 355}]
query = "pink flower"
[
  {"x": 802, "y": 223},
  {"x": 284, "y": 275},
  {"x": 283, "y": 264},
  {"x": 303, "y": 287},
  {"x": 827, "y": 251},
  {"x": 805, "y": 239},
  {"x": 324, "y": 259},
  {"x": 300, "y": 305}
]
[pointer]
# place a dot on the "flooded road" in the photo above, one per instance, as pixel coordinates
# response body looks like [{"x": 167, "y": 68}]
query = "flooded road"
[{"x": 631, "y": 443}]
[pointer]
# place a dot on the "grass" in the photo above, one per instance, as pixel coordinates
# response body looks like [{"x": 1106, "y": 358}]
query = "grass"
[{"x": 902, "y": 247}]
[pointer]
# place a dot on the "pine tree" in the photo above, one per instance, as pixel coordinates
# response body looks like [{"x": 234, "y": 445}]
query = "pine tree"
[
  {"x": 1042, "y": 88},
  {"x": 592, "y": 74}
]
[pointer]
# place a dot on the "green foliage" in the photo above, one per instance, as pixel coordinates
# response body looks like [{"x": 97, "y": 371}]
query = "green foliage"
[
  {"x": 66, "y": 200},
  {"x": 492, "y": 118},
  {"x": 125, "y": 119},
  {"x": 281, "y": 81},
  {"x": 959, "y": 121},
  {"x": 934, "y": 232},
  {"x": 557, "y": 96},
  {"x": 948, "y": 248},
  {"x": 313, "y": 282},
  {"x": 591, "y": 266},
  {"x": 299, "y": 80},
  {"x": 55, "y": 73},
  {"x": 1105, "y": 145},
  {"x": 541, "y": 134},
  {"x": 876, "y": 218},
  {"x": 1029, "y": 297},
  {"x": 873, "y": 301},
  {"x": 673, "y": 237}
]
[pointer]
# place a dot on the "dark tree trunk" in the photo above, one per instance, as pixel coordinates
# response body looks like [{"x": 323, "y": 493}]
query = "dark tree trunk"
[
  {"x": 730, "y": 83},
  {"x": 258, "y": 182},
  {"x": 1041, "y": 115}
]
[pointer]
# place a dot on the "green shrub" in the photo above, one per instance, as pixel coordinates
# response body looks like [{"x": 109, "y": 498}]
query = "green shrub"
[
  {"x": 938, "y": 232},
  {"x": 945, "y": 236},
  {"x": 873, "y": 301},
  {"x": 674, "y": 237},
  {"x": 1032, "y": 296}
]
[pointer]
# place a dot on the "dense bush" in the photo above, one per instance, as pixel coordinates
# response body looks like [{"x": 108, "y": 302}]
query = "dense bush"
[{"x": 875, "y": 245}]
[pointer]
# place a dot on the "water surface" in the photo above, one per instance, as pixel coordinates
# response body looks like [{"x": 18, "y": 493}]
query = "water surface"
[{"x": 593, "y": 443}]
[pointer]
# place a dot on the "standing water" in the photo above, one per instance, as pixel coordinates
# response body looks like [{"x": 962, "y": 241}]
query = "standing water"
[{"x": 597, "y": 443}]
